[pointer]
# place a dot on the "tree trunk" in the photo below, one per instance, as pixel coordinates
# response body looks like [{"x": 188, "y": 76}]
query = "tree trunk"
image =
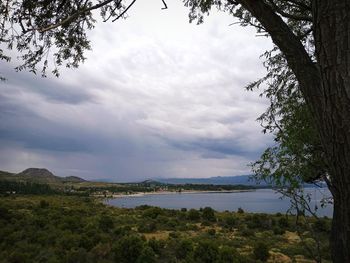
[
  {"x": 332, "y": 35},
  {"x": 326, "y": 89}
]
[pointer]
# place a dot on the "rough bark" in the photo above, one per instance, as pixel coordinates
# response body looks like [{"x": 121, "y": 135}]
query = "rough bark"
[
  {"x": 326, "y": 89},
  {"x": 332, "y": 35}
]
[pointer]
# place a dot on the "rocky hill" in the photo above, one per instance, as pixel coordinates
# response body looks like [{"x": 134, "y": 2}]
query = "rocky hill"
[{"x": 39, "y": 175}]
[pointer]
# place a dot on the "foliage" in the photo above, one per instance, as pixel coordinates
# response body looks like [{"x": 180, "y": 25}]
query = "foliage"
[
  {"x": 208, "y": 214},
  {"x": 10, "y": 187},
  {"x": 206, "y": 252},
  {"x": 261, "y": 251},
  {"x": 59, "y": 228},
  {"x": 128, "y": 249},
  {"x": 57, "y": 29},
  {"x": 193, "y": 214},
  {"x": 297, "y": 155}
]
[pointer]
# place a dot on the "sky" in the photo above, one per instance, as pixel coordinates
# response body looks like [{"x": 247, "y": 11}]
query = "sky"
[{"x": 156, "y": 97}]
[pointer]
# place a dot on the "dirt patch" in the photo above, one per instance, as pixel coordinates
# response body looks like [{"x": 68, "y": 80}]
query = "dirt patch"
[
  {"x": 159, "y": 235},
  {"x": 277, "y": 257},
  {"x": 301, "y": 259},
  {"x": 292, "y": 237}
]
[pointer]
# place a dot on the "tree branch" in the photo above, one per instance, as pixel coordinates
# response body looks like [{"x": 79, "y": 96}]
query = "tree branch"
[
  {"x": 287, "y": 15},
  {"x": 126, "y": 10},
  {"x": 300, "y": 4},
  {"x": 165, "y": 5},
  {"x": 74, "y": 16},
  {"x": 297, "y": 57}
]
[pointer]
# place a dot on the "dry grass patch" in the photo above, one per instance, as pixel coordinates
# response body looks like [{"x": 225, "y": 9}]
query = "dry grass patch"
[
  {"x": 159, "y": 235},
  {"x": 292, "y": 237},
  {"x": 278, "y": 257}
]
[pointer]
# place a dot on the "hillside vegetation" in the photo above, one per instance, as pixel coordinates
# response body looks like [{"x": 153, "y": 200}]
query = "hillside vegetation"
[{"x": 60, "y": 228}]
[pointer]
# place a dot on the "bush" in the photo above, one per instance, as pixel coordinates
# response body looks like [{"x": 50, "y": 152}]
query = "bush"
[
  {"x": 228, "y": 255},
  {"x": 128, "y": 249},
  {"x": 230, "y": 222},
  {"x": 261, "y": 251},
  {"x": 174, "y": 235},
  {"x": 156, "y": 245},
  {"x": 283, "y": 222},
  {"x": 322, "y": 225},
  {"x": 211, "y": 232},
  {"x": 240, "y": 210},
  {"x": 153, "y": 212},
  {"x": 193, "y": 214},
  {"x": 247, "y": 232},
  {"x": 76, "y": 256},
  {"x": 147, "y": 227},
  {"x": 206, "y": 252},
  {"x": 43, "y": 204},
  {"x": 208, "y": 214},
  {"x": 183, "y": 248},
  {"x": 105, "y": 223},
  {"x": 147, "y": 255},
  {"x": 278, "y": 231}
]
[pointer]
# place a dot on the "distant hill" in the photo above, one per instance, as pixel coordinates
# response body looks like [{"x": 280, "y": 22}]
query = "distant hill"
[
  {"x": 218, "y": 180},
  {"x": 39, "y": 175},
  {"x": 221, "y": 180},
  {"x": 73, "y": 179}
]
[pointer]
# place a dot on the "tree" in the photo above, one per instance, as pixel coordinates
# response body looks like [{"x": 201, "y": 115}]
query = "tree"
[
  {"x": 208, "y": 214},
  {"x": 312, "y": 36}
]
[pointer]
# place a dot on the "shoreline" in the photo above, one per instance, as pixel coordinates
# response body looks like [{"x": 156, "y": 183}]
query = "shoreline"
[{"x": 139, "y": 194}]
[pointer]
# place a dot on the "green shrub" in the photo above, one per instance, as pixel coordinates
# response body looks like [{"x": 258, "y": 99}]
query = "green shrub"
[
  {"x": 147, "y": 227},
  {"x": 247, "y": 232},
  {"x": 230, "y": 222},
  {"x": 206, "y": 252},
  {"x": 153, "y": 212},
  {"x": 183, "y": 248},
  {"x": 322, "y": 225},
  {"x": 228, "y": 255},
  {"x": 283, "y": 222},
  {"x": 43, "y": 204},
  {"x": 106, "y": 223},
  {"x": 208, "y": 214},
  {"x": 240, "y": 210},
  {"x": 193, "y": 214},
  {"x": 261, "y": 251},
  {"x": 156, "y": 245},
  {"x": 278, "y": 231},
  {"x": 211, "y": 231},
  {"x": 147, "y": 255},
  {"x": 128, "y": 249}
]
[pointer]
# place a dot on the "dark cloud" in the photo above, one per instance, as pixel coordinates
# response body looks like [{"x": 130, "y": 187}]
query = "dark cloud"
[
  {"x": 51, "y": 89},
  {"x": 216, "y": 148},
  {"x": 161, "y": 98}
]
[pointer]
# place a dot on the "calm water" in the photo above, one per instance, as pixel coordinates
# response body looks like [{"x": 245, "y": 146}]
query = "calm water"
[{"x": 261, "y": 201}]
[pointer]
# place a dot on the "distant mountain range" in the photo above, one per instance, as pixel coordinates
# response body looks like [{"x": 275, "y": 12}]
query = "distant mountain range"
[
  {"x": 42, "y": 175},
  {"x": 39, "y": 175},
  {"x": 218, "y": 180}
]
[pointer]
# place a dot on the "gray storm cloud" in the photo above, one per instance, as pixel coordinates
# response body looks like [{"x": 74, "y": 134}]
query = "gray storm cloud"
[{"x": 156, "y": 98}]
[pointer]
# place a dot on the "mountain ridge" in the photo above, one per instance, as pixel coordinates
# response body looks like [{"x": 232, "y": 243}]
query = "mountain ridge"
[
  {"x": 217, "y": 180},
  {"x": 38, "y": 175}
]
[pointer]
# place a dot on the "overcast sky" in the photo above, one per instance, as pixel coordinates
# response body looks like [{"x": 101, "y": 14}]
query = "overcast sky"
[{"x": 157, "y": 97}]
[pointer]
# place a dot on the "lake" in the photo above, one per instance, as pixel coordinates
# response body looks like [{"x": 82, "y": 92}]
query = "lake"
[{"x": 259, "y": 201}]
